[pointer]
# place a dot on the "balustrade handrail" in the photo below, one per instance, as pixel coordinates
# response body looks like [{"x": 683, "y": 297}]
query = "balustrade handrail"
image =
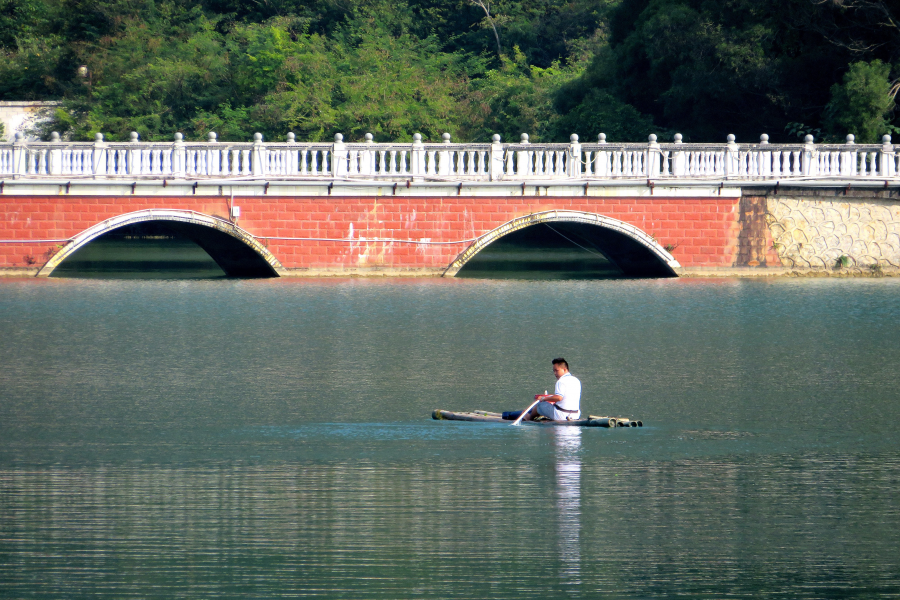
[{"x": 446, "y": 161}]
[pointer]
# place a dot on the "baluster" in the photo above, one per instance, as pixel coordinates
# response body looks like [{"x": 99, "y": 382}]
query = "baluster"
[
  {"x": 166, "y": 166},
  {"x": 222, "y": 155},
  {"x": 245, "y": 161},
  {"x": 304, "y": 155},
  {"x": 230, "y": 161}
]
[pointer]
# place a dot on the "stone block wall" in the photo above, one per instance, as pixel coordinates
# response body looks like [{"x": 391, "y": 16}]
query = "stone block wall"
[{"x": 861, "y": 232}]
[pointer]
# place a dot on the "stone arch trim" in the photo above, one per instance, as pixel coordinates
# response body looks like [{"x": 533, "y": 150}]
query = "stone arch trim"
[
  {"x": 569, "y": 216},
  {"x": 154, "y": 214}
]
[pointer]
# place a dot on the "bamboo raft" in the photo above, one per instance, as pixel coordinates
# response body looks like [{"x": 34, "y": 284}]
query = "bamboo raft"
[{"x": 495, "y": 417}]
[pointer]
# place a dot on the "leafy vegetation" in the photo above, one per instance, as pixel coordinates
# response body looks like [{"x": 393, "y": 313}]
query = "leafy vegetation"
[{"x": 626, "y": 68}]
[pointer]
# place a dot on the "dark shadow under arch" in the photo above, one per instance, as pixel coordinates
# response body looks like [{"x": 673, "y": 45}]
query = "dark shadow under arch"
[
  {"x": 565, "y": 244},
  {"x": 235, "y": 251}
]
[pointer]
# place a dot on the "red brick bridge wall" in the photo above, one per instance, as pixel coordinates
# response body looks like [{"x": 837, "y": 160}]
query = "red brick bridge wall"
[{"x": 705, "y": 230}]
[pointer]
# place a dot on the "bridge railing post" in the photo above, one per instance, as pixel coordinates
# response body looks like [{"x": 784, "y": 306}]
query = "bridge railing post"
[
  {"x": 293, "y": 155},
  {"x": 98, "y": 156},
  {"x": 444, "y": 157},
  {"x": 764, "y": 157},
  {"x": 808, "y": 160},
  {"x": 179, "y": 159},
  {"x": 212, "y": 154},
  {"x": 417, "y": 156},
  {"x": 367, "y": 157},
  {"x": 653, "y": 157},
  {"x": 133, "y": 162},
  {"x": 54, "y": 157},
  {"x": 573, "y": 168},
  {"x": 523, "y": 167},
  {"x": 602, "y": 166},
  {"x": 678, "y": 159},
  {"x": 258, "y": 156},
  {"x": 731, "y": 156},
  {"x": 339, "y": 157},
  {"x": 886, "y": 162},
  {"x": 848, "y": 157},
  {"x": 496, "y": 161},
  {"x": 19, "y": 156}
]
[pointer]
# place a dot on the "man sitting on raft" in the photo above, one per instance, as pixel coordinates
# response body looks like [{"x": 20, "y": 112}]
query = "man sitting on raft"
[{"x": 565, "y": 402}]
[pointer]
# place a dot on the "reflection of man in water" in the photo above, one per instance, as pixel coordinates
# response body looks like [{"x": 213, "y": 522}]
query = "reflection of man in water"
[{"x": 565, "y": 402}]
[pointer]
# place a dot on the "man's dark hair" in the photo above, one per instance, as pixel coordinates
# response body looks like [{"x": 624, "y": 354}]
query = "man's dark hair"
[{"x": 561, "y": 361}]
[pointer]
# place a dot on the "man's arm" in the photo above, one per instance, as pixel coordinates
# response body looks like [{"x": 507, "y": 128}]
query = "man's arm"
[{"x": 552, "y": 398}]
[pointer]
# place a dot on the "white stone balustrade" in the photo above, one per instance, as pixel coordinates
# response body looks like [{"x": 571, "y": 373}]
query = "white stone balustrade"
[{"x": 446, "y": 161}]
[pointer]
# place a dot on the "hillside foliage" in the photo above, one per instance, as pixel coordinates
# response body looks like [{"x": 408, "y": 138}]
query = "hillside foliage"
[{"x": 627, "y": 68}]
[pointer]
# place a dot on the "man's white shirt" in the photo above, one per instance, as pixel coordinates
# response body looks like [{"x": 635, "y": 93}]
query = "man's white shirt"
[{"x": 569, "y": 388}]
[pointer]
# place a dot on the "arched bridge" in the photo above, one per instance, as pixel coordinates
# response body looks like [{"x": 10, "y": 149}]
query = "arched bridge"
[{"x": 317, "y": 209}]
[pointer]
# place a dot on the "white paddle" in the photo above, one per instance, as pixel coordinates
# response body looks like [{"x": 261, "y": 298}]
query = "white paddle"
[{"x": 522, "y": 416}]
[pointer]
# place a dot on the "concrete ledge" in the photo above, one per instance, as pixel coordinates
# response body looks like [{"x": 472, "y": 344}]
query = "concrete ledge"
[
  {"x": 757, "y": 272},
  {"x": 364, "y": 272},
  {"x": 19, "y": 271}
]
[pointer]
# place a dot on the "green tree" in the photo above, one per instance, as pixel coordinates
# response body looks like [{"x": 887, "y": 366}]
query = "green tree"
[
  {"x": 861, "y": 103},
  {"x": 518, "y": 98}
]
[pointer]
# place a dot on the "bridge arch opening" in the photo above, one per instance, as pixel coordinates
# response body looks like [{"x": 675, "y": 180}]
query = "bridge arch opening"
[
  {"x": 565, "y": 245},
  {"x": 163, "y": 243}
]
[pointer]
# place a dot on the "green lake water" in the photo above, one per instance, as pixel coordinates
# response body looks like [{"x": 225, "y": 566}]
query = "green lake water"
[{"x": 272, "y": 438}]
